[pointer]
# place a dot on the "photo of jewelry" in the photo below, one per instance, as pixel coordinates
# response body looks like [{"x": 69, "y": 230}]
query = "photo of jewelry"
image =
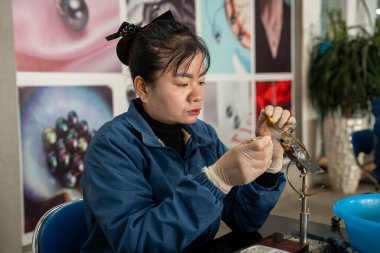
[
  {"x": 182, "y": 10},
  {"x": 238, "y": 17},
  {"x": 227, "y": 28},
  {"x": 74, "y": 14}
]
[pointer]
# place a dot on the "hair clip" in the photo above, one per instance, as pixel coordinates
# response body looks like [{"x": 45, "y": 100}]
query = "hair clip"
[{"x": 127, "y": 29}]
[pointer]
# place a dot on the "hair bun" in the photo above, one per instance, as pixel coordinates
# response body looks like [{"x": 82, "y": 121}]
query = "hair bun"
[
  {"x": 128, "y": 31},
  {"x": 122, "y": 50}
]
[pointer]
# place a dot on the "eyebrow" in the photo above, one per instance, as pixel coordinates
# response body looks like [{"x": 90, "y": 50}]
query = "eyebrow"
[{"x": 185, "y": 74}]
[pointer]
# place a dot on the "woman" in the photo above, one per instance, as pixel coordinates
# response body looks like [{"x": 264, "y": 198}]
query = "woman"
[{"x": 156, "y": 178}]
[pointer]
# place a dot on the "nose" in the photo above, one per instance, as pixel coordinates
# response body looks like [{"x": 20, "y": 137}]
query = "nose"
[{"x": 196, "y": 94}]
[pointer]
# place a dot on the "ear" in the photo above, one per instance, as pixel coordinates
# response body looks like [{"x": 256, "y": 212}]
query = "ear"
[{"x": 141, "y": 88}]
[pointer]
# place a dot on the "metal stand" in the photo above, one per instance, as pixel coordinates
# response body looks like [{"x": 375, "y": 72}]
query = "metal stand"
[
  {"x": 305, "y": 214},
  {"x": 292, "y": 242}
]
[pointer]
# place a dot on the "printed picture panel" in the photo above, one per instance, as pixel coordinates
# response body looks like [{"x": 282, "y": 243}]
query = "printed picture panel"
[
  {"x": 56, "y": 125},
  {"x": 65, "y": 36},
  {"x": 142, "y": 12},
  {"x": 228, "y": 109},
  {"x": 273, "y": 93},
  {"x": 272, "y": 36},
  {"x": 226, "y": 27}
]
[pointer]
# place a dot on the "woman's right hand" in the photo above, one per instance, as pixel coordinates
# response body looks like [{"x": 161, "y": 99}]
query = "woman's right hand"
[{"x": 243, "y": 163}]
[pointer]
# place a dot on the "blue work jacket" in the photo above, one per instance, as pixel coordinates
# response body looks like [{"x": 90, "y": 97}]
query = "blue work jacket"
[{"x": 141, "y": 196}]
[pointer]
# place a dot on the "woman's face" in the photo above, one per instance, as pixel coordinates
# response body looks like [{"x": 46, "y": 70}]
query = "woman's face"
[{"x": 177, "y": 98}]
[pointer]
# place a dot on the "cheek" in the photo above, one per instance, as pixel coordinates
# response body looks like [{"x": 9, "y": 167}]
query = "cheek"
[
  {"x": 167, "y": 101},
  {"x": 175, "y": 103}
]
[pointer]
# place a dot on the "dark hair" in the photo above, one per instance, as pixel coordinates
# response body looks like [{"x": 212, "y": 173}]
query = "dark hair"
[{"x": 158, "y": 46}]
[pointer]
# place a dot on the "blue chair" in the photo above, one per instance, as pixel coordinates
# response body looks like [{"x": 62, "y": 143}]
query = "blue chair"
[
  {"x": 364, "y": 141},
  {"x": 62, "y": 229}
]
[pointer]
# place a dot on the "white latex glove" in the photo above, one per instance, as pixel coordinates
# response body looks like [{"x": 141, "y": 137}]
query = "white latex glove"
[
  {"x": 283, "y": 121},
  {"x": 241, "y": 164}
]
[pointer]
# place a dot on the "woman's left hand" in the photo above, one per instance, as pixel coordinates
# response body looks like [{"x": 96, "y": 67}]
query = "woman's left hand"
[
  {"x": 282, "y": 121},
  {"x": 281, "y": 118}
]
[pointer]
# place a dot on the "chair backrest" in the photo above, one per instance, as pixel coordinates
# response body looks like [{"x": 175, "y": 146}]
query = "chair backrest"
[
  {"x": 363, "y": 141},
  {"x": 61, "y": 229}
]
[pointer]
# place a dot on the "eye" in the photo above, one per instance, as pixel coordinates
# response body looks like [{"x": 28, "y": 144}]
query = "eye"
[
  {"x": 182, "y": 84},
  {"x": 203, "y": 83}
]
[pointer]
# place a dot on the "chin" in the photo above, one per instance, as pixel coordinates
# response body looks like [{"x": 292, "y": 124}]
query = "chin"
[{"x": 191, "y": 121}]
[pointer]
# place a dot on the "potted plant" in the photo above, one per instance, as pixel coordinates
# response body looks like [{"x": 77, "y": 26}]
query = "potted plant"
[{"x": 343, "y": 81}]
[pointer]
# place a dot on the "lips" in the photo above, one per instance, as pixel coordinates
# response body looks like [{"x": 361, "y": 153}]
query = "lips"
[{"x": 195, "y": 111}]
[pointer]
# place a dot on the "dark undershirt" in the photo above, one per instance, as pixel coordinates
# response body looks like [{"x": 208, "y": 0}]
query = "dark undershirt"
[{"x": 171, "y": 135}]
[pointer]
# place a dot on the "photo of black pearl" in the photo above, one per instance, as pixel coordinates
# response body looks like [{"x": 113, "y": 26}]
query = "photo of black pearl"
[
  {"x": 61, "y": 127},
  {"x": 82, "y": 127},
  {"x": 69, "y": 180},
  {"x": 74, "y": 14},
  {"x": 72, "y": 119},
  {"x": 237, "y": 121},
  {"x": 229, "y": 111},
  {"x": 65, "y": 146},
  {"x": 52, "y": 162},
  {"x": 49, "y": 138}
]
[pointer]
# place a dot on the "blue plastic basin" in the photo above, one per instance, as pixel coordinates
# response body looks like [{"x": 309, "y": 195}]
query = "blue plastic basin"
[{"x": 361, "y": 215}]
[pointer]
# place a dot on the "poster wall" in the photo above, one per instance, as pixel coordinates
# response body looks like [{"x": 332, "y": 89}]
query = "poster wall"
[{"x": 68, "y": 74}]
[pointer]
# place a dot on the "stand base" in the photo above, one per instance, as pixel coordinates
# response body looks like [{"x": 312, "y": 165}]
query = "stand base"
[
  {"x": 287, "y": 243},
  {"x": 291, "y": 243},
  {"x": 314, "y": 246}
]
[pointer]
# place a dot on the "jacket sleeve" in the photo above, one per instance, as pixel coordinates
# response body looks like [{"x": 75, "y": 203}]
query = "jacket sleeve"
[
  {"x": 246, "y": 207},
  {"x": 121, "y": 200}
]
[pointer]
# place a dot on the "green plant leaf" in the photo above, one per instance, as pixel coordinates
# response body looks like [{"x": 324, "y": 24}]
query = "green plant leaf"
[{"x": 344, "y": 71}]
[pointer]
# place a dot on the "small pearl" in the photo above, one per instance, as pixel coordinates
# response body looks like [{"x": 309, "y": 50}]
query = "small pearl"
[{"x": 74, "y": 14}]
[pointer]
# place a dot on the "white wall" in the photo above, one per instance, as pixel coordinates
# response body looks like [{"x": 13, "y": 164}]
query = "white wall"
[
  {"x": 311, "y": 27},
  {"x": 10, "y": 178}
]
